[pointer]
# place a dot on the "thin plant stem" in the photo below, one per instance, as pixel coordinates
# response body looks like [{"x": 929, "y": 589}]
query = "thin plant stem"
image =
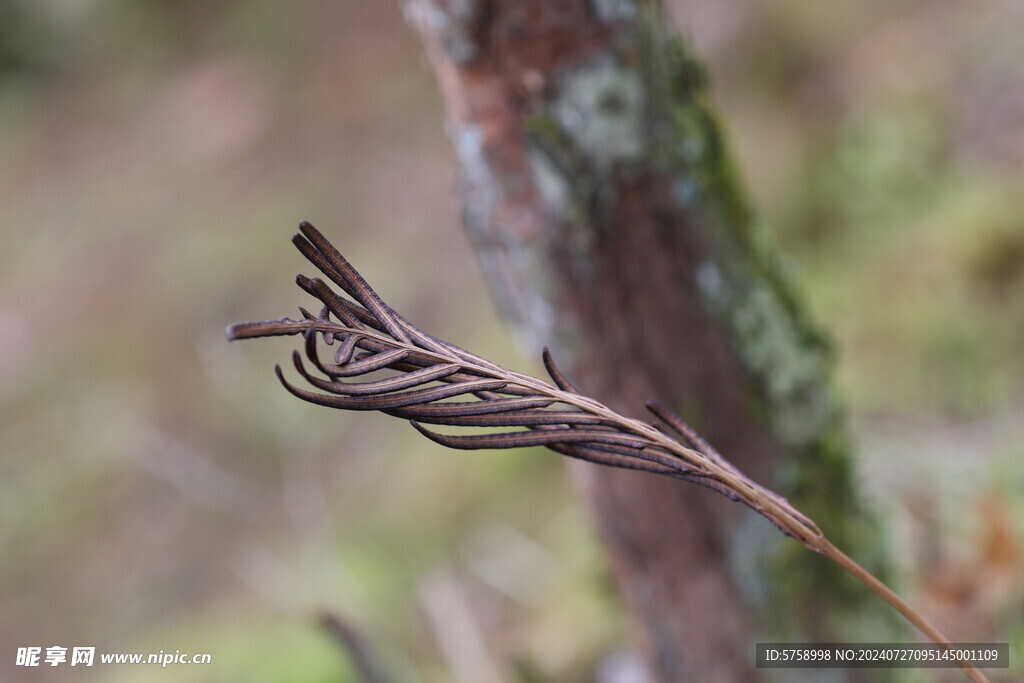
[{"x": 898, "y": 603}]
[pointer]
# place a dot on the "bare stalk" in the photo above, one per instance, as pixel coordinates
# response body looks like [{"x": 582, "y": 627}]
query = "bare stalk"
[
  {"x": 371, "y": 336},
  {"x": 898, "y": 603}
]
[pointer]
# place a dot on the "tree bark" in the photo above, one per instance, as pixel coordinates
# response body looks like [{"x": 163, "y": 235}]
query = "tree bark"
[{"x": 600, "y": 198}]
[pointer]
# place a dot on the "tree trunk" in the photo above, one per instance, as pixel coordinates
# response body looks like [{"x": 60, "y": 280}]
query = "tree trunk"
[{"x": 603, "y": 206}]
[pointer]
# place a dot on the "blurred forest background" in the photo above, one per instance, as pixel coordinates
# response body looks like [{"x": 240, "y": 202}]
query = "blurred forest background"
[{"x": 159, "y": 490}]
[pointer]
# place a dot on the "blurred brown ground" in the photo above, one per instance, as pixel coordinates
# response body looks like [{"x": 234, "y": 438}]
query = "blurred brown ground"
[{"x": 159, "y": 491}]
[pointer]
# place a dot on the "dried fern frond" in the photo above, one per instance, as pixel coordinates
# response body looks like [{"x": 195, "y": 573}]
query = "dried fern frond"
[{"x": 429, "y": 373}]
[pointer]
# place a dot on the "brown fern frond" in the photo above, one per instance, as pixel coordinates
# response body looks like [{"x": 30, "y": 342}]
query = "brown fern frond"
[{"x": 428, "y": 372}]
